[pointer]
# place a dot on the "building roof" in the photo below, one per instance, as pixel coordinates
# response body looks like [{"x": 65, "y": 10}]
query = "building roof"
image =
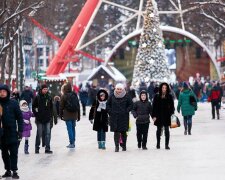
[{"x": 114, "y": 73}]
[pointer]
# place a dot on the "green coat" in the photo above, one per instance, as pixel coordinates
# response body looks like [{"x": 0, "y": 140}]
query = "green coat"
[{"x": 184, "y": 103}]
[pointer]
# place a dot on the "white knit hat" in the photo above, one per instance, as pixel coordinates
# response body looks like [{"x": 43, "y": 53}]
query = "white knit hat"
[
  {"x": 22, "y": 102},
  {"x": 120, "y": 86}
]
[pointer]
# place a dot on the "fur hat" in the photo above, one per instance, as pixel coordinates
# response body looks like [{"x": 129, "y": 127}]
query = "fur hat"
[
  {"x": 120, "y": 86},
  {"x": 43, "y": 86}
]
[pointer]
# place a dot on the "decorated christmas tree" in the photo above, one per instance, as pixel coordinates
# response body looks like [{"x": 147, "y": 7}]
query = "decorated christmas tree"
[{"x": 150, "y": 64}]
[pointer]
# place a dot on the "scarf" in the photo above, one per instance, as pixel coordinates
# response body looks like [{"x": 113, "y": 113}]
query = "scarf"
[
  {"x": 102, "y": 105},
  {"x": 24, "y": 108},
  {"x": 123, "y": 93}
]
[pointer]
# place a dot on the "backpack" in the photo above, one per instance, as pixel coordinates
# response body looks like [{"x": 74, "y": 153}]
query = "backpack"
[{"x": 72, "y": 103}]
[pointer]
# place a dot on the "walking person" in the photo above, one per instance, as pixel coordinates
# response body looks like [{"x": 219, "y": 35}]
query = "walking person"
[
  {"x": 16, "y": 95},
  {"x": 27, "y": 127},
  {"x": 43, "y": 111},
  {"x": 83, "y": 94},
  {"x": 142, "y": 111},
  {"x": 187, "y": 109},
  {"x": 99, "y": 114},
  {"x": 215, "y": 99},
  {"x": 12, "y": 123},
  {"x": 162, "y": 109},
  {"x": 70, "y": 112},
  {"x": 118, "y": 106},
  {"x": 27, "y": 95}
]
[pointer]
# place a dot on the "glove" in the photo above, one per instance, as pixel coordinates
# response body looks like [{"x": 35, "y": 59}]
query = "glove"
[
  {"x": 20, "y": 136},
  {"x": 61, "y": 117},
  {"x": 26, "y": 121},
  {"x": 91, "y": 121}
]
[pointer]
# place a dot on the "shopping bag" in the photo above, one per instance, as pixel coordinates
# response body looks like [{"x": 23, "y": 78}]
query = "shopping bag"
[{"x": 175, "y": 122}]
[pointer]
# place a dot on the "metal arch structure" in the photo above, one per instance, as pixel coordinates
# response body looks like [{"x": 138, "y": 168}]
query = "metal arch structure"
[{"x": 168, "y": 29}]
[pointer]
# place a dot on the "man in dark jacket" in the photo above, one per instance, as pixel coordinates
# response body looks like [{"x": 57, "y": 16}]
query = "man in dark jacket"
[
  {"x": 43, "y": 111},
  {"x": 215, "y": 98},
  {"x": 12, "y": 122},
  {"x": 27, "y": 95}
]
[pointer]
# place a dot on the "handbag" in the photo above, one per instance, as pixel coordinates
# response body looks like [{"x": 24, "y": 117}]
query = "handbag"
[
  {"x": 175, "y": 122},
  {"x": 192, "y": 100}
]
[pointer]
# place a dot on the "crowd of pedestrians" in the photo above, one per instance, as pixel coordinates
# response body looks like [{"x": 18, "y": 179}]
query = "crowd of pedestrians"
[{"x": 110, "y": 109}]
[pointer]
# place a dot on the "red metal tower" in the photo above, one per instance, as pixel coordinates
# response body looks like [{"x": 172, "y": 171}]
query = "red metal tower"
[{"x": 66, "y": 50}]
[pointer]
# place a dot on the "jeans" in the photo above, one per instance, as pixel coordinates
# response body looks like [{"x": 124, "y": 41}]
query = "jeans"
[
  {"x": 142, "y": 134},
  {"x": 47, "y": 131},
  {"x": 101, "y": 135},
  {"x": 70, "y": 124},
  {"x": 188, "y": 123},
  {"x": 10, "y": 156}
]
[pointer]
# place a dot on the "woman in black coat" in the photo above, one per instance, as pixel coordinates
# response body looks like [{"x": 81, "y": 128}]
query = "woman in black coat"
[
  {"x": 163, "y": 108},
  {"x": 99, "y": 113},
  {"x": 119, "y": 105}
]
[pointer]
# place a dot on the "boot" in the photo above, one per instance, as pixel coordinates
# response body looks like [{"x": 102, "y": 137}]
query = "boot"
[
  {"x": 117, "y": 149},
  {"x": 7, "y": 174},
  {"x": 116, "y": 140},
  {"x": 15, "y": 175},
  {"x": 124, "y": 138},
  {"x": 167, "y": 142},
  {"x": 189, "y": 129},
  {"x": 99, "y": 145},
  {"x": 26, "y": 146},
  {"x": 103, "y": 145},
  {"x": 218, "y": 114},
  {"x": 158, "y": 140},
  {"x": 139, "y": 145}
]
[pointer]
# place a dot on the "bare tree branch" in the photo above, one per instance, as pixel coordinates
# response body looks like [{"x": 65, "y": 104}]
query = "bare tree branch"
[
  {"x": 32, "y": 6},
  {"x": 212, "y": 18},
  {"x": 201, "y": 4},
  {"x": 4, "y": 9},
  {"x": 18, "y": 7}
]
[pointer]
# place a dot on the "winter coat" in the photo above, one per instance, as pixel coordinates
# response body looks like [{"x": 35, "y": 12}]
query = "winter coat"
[
  {"x": 92, "y": 95},
  {"x": 83, "y": 97},
  {"x": 16, "y": 96},
  {"x": 27, "y": 95},
  {"x": 64, "y": 114},
  {"x": 12, "y": 119},
  {"x": 43, "y": 108},
  {"x": 118, "y": 110},
  {"x": 100, "y": 118},
  {"x": 142, "y": 110},
  {"x": 27, "y": 127},
  {"x": 184, "y": 103},
  {"x": 215, "y": 95},
  {"x": 162, "y": 109}
]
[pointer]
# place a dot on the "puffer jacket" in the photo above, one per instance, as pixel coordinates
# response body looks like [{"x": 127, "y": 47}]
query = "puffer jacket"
[
  {"x": 184, "y": 103},
  {"x": 142, "y": 110}
]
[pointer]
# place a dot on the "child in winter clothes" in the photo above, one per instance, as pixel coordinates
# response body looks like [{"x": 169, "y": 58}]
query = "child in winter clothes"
[
  {"x": 99, "y": 113},
  {"x": 27, "y": 114},
  {"x": 141, "y": 111}
]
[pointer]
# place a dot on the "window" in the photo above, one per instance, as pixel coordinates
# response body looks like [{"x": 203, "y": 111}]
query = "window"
[
  {"x": 40, "y": 52},
  {"x": 40, "y": 62}
]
